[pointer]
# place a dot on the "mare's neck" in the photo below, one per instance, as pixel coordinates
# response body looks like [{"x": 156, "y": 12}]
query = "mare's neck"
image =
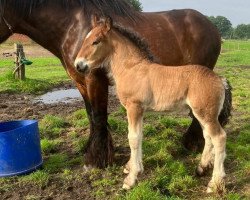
[
  {"x": 125, "y": 55},
  {"x": 55, "y": 28}
]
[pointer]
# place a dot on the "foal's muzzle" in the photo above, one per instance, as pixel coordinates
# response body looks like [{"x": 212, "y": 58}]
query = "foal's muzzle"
[{"x": 81, "y": 66}]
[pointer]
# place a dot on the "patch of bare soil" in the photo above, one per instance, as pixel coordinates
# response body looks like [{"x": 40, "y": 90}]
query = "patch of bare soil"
[{"x": 23, "y": 106}]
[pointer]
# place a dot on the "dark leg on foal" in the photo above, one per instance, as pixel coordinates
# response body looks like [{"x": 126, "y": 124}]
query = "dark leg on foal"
[
  {"x": 99, "y": 150},
  {"x": 193, "y": 139}
]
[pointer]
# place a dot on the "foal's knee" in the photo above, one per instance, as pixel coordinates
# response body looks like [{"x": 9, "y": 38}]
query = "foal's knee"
[{"x": 134, "y": 141}]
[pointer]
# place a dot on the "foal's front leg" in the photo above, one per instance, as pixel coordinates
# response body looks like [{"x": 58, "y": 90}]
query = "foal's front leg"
[{"x": 135, "y": 116}]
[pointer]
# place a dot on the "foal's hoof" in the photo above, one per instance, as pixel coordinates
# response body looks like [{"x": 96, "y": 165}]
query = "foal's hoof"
[
  {"x": 125, "y": 171},
  {"x": 201, "y": 171},
  {"x": 129, "y": 182},
  {"x": 126, "y": 187},
  {"x": 216, "y": 187},
  {"x": 126, "y": 168}
]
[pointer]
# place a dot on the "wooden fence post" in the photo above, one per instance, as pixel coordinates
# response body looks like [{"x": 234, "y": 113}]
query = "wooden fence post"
[{"x": 20, "y": 68}]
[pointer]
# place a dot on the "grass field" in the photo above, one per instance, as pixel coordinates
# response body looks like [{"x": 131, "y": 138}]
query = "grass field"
[
  {"x": 232, "y": 56},
  {"x": 236, "y": 45},
  {"x": 42, "y": 75},
  {"x": 169, "y": 168}
]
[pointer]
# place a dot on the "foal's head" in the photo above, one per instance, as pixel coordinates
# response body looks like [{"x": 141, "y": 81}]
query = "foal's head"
[{"x": 96, "y": 47}]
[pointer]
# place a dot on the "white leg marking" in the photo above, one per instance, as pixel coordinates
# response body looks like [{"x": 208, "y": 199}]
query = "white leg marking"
[
  {"x": 207, "y": 154},
  {"x": 135, "y": 139},
  {"x": 217, "y": 181}
]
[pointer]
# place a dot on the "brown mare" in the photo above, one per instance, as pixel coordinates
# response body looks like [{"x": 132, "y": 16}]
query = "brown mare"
[
  {"x": 144, "y": 85},
  {"x": 60, "y": 27}
]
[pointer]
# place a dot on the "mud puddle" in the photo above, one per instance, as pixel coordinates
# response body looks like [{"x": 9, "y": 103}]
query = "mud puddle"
[{"x": 59, "y": 96}]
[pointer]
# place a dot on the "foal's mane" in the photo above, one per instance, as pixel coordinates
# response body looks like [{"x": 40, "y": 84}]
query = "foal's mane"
[
  {"x": 108, "y": 7},
  {"x": 137, "y": 40}
]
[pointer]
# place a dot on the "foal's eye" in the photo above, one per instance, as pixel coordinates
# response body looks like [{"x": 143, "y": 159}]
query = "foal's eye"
[{"x": 96, "y": 42}]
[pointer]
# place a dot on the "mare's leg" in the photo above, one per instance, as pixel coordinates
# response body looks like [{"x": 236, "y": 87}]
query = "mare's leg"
[
  {"x": 193, "y": 139},
  {"x": 135, "y": 117},
  {"x": 99, "y": 148}
]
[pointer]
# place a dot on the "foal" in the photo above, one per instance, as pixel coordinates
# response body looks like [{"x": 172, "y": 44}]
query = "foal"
[{"x": 142, "y": 85}]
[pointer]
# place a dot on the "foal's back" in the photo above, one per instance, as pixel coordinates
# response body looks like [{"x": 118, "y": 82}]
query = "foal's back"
[{"x": 172, "y": 87}]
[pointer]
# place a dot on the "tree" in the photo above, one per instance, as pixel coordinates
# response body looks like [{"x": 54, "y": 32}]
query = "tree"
[
  {"x": 223, "y": 25},
  {"x": 242, "y": 31},
  {"x": 136, "y": 4}
]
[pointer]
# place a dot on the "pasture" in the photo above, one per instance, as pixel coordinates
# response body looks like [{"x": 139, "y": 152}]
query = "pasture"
[{"x": 169, "y": 168}]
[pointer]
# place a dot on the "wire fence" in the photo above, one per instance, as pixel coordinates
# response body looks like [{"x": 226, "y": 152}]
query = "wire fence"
[{"x": 236, "y": 45}]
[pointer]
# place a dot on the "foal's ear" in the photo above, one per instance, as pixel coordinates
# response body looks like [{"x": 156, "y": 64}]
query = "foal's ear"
[
  {"x": 108, "y": 24},
  {"x": 94, "y": 20}
]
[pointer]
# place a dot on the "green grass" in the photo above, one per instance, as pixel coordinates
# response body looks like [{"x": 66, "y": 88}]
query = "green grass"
[
  {"x": 144, "y": 191},
  {"x": 231, "y": 56},
  {"x": 42, "y": 75},
  {"x": 50, "y": 146},
  {"x": 79, "y": 119},
  {"x": 40, "y": 178},
  {"x": 235, "y": 45},
  {"x": 117, "y": 125},
  {"x": 56, "y": 163},
  {"x": 51, "y": 126}
]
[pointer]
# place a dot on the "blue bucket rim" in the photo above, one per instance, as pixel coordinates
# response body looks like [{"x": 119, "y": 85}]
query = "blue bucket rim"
[
  {"x": 32, "y": 121},
  {"x": 23, "y": 172}
]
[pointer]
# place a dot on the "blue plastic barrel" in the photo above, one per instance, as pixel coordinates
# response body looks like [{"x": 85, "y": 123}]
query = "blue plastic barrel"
[{"x": 20, "y": 149}]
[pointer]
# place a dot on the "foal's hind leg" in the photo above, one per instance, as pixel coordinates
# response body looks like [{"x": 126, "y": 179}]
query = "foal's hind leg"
[
  {"x": 218, "y": 138},
  {"x": 207, "y": 155},
  {"x": 135, "y": 115},
  {"x": 214, "y": 136}
]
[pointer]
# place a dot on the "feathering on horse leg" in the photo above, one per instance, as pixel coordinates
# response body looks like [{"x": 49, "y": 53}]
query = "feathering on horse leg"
[{"x": 99, "y": 148}]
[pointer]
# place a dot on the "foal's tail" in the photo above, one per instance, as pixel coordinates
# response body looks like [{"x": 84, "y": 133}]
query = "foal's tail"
[{"x": 227, "y": 105}]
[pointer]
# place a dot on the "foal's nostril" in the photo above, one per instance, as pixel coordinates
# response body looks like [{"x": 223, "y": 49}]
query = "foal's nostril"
[
  {"x": 81, "y": 67},
  {"x": 77, "y": 67},
  {"x": 86, "y": 67}
]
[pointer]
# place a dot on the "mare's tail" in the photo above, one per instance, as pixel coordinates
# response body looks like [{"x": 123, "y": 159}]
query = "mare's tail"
[{"x": 227, "y": 105}]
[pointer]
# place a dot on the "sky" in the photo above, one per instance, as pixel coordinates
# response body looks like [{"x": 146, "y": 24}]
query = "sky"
[{"x": 237, "y": 11}]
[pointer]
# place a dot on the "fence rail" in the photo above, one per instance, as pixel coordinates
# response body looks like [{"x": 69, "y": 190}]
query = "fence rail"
[{"x": 237, "y": 45}]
